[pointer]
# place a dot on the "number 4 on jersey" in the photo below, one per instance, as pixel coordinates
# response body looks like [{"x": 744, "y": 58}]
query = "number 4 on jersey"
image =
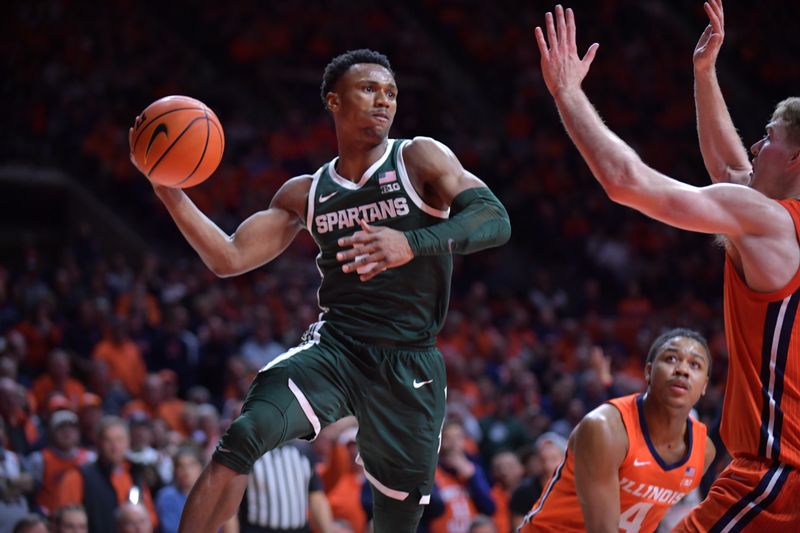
[{"x": 631, "y": 520}]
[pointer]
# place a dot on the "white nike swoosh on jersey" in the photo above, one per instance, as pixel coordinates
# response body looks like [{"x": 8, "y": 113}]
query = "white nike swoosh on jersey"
[
  {"x": 325, "y": 197},
  {"x": 418, "y": 384},
  {"x": 637, "y": 462}
]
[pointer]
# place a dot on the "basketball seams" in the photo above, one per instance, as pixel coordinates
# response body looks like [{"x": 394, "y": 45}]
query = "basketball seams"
[
  {"x": 153, "y": 121},
  {"x": 178, "y": 138},
  {"x": 202, "y": 154}
]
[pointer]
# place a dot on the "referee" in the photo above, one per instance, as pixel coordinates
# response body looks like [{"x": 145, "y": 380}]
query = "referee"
[{"x": 283, "y": 489}]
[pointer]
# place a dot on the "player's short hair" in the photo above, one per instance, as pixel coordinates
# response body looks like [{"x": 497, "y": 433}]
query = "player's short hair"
[
  {"x": 667, "y": 336},
  {"x": 789, "y": 111},
  {"x": 341, "y": 63}
]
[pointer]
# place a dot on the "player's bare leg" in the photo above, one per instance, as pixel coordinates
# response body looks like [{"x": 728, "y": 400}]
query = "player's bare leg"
[{"x": 213, "y": 499}]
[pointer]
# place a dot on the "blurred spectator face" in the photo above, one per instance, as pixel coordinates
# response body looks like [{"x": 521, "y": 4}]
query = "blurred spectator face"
[
  {"x": 58, "y": 366},
  {"x": 113, "y": 444},
  {"x": 141, "y": 435},
  {"x": 550, "y": 456},
  {"x": 39, "y": 527},
  {"x": 187, "y": 470},
  {"x": 73, "y": 521},
  {"x": 8, "y": 367},
  {"x": 507, "y": 469},
  {"x": 153, "y": 389},
  {"x": 133, "y": 519},
  {"x": 66, "y": 434},
  {"x": 8, "y": 396},
  {"x": 452, "y": 438}
]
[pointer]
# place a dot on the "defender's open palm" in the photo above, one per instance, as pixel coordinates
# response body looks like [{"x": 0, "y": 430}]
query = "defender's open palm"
[
  {"x": 707, "y": 49},
  {"x": 561, "y": 66}
]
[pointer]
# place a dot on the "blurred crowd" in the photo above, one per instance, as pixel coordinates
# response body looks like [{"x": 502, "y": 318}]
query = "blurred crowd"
[{"x": 132, "y": 367}]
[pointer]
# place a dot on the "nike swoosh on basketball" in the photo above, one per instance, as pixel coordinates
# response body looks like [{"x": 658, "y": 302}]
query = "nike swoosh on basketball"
[
  {"x": 418, "y": 384},
  {"x": 637, "y": 462},
  {"x": 325, "y": 197},
  {"x": 161, "y": 128}
]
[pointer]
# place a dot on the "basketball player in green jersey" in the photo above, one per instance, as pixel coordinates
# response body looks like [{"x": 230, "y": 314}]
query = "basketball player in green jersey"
[{"x": 387, "y": 215}]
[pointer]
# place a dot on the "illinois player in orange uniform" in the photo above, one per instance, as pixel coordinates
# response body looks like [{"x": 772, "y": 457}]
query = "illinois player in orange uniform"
[
  {"x": 754, "y": 206},
  {"x": 634, "y": 457}
]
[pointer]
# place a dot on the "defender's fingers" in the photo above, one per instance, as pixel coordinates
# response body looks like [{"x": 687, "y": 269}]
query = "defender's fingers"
[
  {"x": 590, "y": 53},
  {"x": 571, "y": 40},
  {"x": 561, "y": 27},
  {"x": 541, "y": 42},
  {"x": 551, "y": 30}
]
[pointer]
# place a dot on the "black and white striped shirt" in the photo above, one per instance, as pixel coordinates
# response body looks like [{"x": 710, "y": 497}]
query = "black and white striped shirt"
[{"x": 277, "y": 490}]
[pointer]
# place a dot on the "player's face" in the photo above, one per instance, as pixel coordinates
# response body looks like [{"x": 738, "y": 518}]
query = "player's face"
[
  {"x": 678, "y": 374},
  {"x": 774, "y": 156},
  {"x": 365, "y": 101}
]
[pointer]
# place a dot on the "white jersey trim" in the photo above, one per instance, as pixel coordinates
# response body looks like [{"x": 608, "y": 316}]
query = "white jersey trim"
[
  {"x": 346, "y": 183},
  {"x": 312, "y": 193},
  {"x": 411, "y": 192},
  {"x": 383, "y": 489}
]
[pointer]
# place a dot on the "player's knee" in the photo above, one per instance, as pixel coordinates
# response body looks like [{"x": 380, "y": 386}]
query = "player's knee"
[
  {"x": 396, "y": 516},
  {"x": 257, "y": 430}
]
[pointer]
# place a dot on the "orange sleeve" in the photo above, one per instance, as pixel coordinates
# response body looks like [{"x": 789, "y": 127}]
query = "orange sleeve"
[{"x": 70, "y": 489}]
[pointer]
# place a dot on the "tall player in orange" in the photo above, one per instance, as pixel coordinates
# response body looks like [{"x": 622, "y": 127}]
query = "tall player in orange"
[
  {"x": 760, "y": 221},
  {"x": 634, "y": 457}
]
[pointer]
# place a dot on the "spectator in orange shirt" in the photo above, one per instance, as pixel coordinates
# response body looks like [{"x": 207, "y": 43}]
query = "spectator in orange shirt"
[
  {"x": 139, "y": 300},
  {"x": 89, "y": 415},
  {"x": 171, "y": 408},
  {"x": 507, "y": 472},
  {"x": 123, "y": 357},
  {"x": 150, "y": 402},
  {"x": 57, "y": 380},
  {"x": 343, "y": 477},
  {"x": 49, "y": 465},
  {"x": 102, "y": 486}
]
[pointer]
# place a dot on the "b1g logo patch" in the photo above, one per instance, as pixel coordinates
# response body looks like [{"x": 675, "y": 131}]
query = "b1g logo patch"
[{"x": 390, "y": 187}]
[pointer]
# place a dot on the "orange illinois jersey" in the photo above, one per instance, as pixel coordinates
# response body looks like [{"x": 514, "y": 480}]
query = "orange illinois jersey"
[
  {"x": 458, "y": 507},
  {"x": 761, "y": 413},
  {"x": 648, "y": 486}
]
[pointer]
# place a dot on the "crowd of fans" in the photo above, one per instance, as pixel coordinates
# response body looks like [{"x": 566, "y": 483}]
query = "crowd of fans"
[{"x": 539, "y": 332}]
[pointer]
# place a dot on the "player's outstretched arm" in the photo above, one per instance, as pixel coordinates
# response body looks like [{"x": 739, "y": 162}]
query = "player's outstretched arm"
[
  {"x": 600, "y": 444},
  {"x": 258, "y": 240},
  {"x": 724, "y": 155},
  {"x": 726, "y": 209},
  {"x": 477, "y": 218}
]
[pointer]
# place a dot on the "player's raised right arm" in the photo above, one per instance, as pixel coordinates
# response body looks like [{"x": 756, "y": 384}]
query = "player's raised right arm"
[
  {"x": 257, "y": 240},
  {"x": 600, "y": 445},
  {"x": 724, "y": 155}
]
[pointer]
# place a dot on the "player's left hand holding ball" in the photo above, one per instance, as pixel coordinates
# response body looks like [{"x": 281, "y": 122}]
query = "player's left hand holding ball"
[{"x": 373, "y": 249}]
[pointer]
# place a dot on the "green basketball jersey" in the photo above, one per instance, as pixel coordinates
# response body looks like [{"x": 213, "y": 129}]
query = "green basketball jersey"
[{"x": 401, "y": 306}]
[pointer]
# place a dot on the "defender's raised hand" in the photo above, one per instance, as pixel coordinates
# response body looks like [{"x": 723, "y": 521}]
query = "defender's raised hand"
[
  {"x": 707, "y": 49},
  {"x": 561, "y": 66}
]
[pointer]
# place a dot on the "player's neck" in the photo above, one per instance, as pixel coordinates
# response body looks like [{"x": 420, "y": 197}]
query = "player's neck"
[
  {"x": 666, "y": 425},
  {"x": 356, "y": 157}
]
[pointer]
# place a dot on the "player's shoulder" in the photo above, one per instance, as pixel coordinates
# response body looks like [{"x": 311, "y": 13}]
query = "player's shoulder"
[
  {"x": 602, "y": 429},
  {"x": 293, "y": 194},
  {"x": 426, "y": 148}
]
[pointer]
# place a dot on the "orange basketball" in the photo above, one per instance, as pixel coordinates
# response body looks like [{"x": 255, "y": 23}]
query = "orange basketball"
[{"x": 177, "y": 141}]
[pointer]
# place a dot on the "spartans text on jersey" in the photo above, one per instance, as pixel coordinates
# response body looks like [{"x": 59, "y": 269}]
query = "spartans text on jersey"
[{"x": 369, "y": 213}]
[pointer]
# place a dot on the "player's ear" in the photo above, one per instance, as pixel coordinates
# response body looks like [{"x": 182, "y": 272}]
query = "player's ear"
[
  {"x": 332, "y": 102},
  {"x": 648, "y": 370}
]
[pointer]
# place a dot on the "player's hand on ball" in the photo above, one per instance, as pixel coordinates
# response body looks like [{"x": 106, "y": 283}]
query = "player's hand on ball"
[{"x": 372, "y": 250}]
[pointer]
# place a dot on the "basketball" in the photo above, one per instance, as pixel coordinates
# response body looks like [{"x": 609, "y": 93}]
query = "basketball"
[{"x": 177, "y": 141}]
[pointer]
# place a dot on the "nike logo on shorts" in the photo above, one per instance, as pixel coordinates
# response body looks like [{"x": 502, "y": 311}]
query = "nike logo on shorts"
[
  {"x": 637, "y": 462},
  {"x": 325, "y": 197},
  {"x": 418, "y": 384}
]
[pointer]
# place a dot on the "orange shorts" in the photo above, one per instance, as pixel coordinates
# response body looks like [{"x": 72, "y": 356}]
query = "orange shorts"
[{"x": 749, "y": 495}]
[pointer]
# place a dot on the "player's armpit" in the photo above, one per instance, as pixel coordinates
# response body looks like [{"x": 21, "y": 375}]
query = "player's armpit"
[{"x": 599, "y": 444}]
